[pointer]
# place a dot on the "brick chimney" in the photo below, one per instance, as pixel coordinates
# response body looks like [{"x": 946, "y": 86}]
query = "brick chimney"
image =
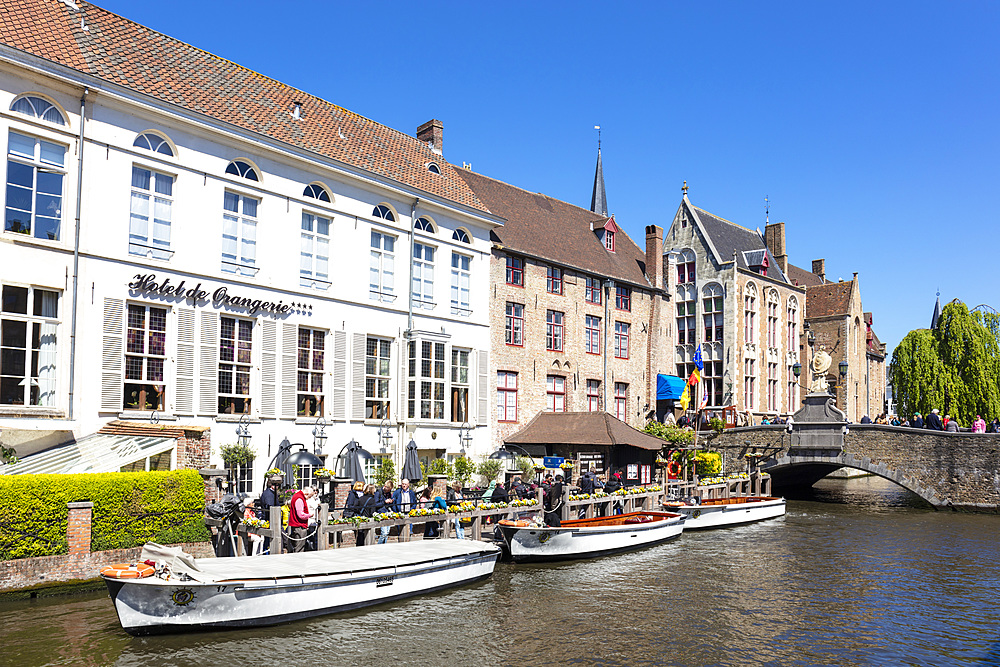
[
  {"x": 432, "y": 133},
  {"x": 654, "y": 255},
  {"x": 774, "y": 238},
  {"x": 819, "y": 268}
]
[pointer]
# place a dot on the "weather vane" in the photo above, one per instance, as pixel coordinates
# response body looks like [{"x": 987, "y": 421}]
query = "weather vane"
[
  {"x": 767, "y": 210},
  {"x": 598, "y": 128}
]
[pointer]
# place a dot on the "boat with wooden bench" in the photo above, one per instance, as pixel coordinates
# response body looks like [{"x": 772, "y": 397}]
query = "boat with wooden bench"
[
  {"x": 723, "y": 512},
  {"x": 169, "y": 591},
  {"x": 589, "y": 538}
]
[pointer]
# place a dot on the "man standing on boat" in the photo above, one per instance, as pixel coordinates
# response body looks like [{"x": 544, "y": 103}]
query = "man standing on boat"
[
  {"x": 553, "y": 502},
  {"x": 298, "y": 518}
]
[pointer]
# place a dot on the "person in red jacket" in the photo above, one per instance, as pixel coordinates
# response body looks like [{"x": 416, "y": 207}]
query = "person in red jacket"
[{"x": 298, "y": 518}]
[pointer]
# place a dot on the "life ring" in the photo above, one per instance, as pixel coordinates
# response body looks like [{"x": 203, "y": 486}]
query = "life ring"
[
  {"x": 520, "y": 523},
  {"x": 673, "y": 469},
  {"x": 127, "y": 571}
]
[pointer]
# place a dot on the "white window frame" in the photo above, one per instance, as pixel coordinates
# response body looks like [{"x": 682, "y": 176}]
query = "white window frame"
[
  {"x": 506, "y": 396},
  {"x": 311, "y": 367},
  {"x": 426, "y": 380},
  {"x": 46, "y": 383},
  {"x": 378, "y": 377},
  {"x": 39, "y": 165},
  {"x": 460, "y": 385},
  {"x": 145, "y": 356},
  {"x": 555, "y": 393},
  {"x": 149, "y": 234},
  {"x": 621, "y": 401},
  {"x": 239, "y": 232},
  {"x": 461, "y": 284},
  {"x": 422, "y": 287},
  {"x": 314, "y": 250},
  {"x": 235, "y": 366},
  {"x": 382, "y": 266}
]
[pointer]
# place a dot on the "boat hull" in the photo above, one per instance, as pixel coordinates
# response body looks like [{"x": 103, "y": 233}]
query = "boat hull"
[
  {"x": 153, "y": 606},
  {"x": 706, "y": 516},
  {"x": 568, "y": 542}
]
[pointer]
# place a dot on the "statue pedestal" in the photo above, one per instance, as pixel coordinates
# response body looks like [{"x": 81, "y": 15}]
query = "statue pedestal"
[{"x": 818, "y": 425}]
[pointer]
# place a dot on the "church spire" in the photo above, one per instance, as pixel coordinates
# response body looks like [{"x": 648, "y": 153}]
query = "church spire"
[
  {"x": 599, "y": 201},
  {"x": 936, "y": 315}
]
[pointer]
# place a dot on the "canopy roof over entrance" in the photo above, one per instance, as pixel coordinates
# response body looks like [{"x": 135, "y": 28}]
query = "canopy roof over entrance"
[
  {"x": 582, "y": 428},
  {"x": 95, "y": 453}
]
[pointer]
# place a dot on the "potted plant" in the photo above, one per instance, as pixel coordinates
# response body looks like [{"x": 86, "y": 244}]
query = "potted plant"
[{"x": 275, "y": 475}]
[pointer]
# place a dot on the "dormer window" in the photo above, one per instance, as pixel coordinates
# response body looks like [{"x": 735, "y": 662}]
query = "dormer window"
[
  {"x": 609, "y": 240},
  {"x": 606, "y": 233},
  {"x": 433, "y": 168},
  {"x": 762, "y": 269},
  {"x": 243, "y": 169}
]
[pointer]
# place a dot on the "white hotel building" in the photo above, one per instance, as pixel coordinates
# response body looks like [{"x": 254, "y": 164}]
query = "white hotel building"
[{"x": 187, "y": 237}]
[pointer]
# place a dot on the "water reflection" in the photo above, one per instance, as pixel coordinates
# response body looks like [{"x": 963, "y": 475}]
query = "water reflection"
[{"x": 878, "y": 582}]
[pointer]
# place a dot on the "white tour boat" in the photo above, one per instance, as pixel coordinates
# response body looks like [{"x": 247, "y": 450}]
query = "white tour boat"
[
  {"x": 181, "y": 593},
  {"x": 588, "y": 538},
  {"x": 723, "y": 512}
]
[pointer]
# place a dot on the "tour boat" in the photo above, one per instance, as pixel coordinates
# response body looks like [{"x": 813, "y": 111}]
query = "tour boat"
[
  {"x": 180, "y": 593},
  {"x": 589, "y": 538},
  {"x": 723, "y": 512}
]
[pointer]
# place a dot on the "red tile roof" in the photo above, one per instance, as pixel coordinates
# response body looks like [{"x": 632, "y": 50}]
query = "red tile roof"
[
  {"x": 551, "y": 229},
  {"x": 829, "y": 299},
  {"x": 802, "y": 277},
  {"x": 128, "y": 54}
]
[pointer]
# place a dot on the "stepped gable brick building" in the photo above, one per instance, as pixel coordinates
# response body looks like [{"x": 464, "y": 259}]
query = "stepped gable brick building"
[
  {"x": 170, "y": 224},
  {"x": 578, "y": 316},
  {"x": 837, "y": 321},
  {"x": 733, "y": 298}
]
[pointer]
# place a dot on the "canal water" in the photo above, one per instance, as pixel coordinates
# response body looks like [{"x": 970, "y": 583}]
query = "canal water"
[{"x": 858, "y": 573}]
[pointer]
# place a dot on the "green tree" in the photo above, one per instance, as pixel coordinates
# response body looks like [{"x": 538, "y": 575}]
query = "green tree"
[
  {"x": 488, "y": 469},
  {"x": 955, "y": 367},
  {"x": 386, "y": 471},
  {"x": 464, "y": 469}
]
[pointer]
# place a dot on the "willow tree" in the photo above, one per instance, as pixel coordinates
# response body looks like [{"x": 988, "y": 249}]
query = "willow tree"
[{"x": 955, "y": 367}]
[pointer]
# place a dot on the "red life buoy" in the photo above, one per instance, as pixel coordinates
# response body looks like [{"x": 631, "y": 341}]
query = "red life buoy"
[
  {"x": 127, "y": 571},
  {"x": 673, "y": 469}
]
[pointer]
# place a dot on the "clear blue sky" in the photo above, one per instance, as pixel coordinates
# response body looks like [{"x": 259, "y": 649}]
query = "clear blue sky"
[{"x": 872, "y": 127}]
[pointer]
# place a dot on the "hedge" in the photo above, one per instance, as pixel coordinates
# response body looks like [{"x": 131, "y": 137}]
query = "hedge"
[{"x": 129, "y": 509}]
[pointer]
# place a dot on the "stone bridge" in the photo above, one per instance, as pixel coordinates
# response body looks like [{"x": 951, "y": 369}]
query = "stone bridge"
[{"x": 959, "y": 471}]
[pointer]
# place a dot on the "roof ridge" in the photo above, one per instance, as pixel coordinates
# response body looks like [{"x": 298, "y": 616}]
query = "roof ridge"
[
  {"x": 597, "y": 216},
  {"x": 721, "y": 219}
]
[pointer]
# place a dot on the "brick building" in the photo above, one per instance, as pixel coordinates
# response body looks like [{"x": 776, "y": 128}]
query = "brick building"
[
  {"x": 733, "y": 298},
  {"x": 578, "y": 317},
  {"x": 837, "y": 321}
]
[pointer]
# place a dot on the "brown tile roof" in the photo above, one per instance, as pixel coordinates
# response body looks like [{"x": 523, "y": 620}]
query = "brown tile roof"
[
  {"x": 802, "y": 277},
  {"x": 117, "y": 427},
  {"x": 551, "y": 229},
  {"x": 582, "y": 428},
  {"x": 829, "y": 299},
  {"x": 128, "y": 54}
]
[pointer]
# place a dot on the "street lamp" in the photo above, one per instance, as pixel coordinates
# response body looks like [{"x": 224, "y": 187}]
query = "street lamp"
[
  {"x": 242, "y": 431},
  {"x": 464, "y": 436},
  {"x": 319, "y": 437},
  {"x": 796, "y": 369},
  {"x": 843, "y": 368},
  {"x": 384, "y": 436}
]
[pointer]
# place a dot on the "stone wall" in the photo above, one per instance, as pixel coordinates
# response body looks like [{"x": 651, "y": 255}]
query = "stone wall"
[{"x": 949, "y": 470}]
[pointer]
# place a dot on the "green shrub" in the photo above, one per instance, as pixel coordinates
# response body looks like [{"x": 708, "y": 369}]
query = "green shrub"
[
  {"x": 677, "y": 437},
  {"x": 129, "y": 510},
  {"x": 488, "y": 469},
  {"x": 464, "y": 469},
  {"x": 386, "y": 471},
  {"x": 708, "y": 464}
]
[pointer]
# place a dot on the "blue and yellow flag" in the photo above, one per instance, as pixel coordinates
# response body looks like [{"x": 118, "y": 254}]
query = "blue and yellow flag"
[
  {"x": 685, "y": 396},
  {"x": 697, "y": 359}
]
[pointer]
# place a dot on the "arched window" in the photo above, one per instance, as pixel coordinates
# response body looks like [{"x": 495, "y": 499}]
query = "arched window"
[
  {"x": 433, "y": 168},
  {"x": 384, "y": 212},
  {"x": 772, "y": 319},
  {"x": 857, "y": 334},
  {"x": 712, "y": 311},
  {"x": 750, "y": 314},
  {"x": 685, "y": 267},
  {"x": 687, "y": 304},
  {"x": 424, "y": 225},
  {"x": 792, "y": 315},
  {"x": 38, "y": 107},
  {"x": 316, "y": 191},
  {"x": 461, "y": 236},
  {"x": 243, "y": 169},
  {"x": 711, "y": 374},
  {"x": 153, "y": 142}
]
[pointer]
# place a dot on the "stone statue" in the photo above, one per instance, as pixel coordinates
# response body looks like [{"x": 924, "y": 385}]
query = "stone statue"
[{"x": 820, "y": 365}]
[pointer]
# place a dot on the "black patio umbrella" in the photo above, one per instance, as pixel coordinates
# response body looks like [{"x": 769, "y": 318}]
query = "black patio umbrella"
[
  {"x": 411, "y": 466},
  {"x": 354, "y": 466}
]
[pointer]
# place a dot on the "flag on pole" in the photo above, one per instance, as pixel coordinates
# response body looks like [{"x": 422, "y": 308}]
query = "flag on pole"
[
  {"x": 697, "y": 359},
  {"x": 685, "y": 397},
  {"x": 704, "y": 399},
  {"x": 695, "y": 377}
]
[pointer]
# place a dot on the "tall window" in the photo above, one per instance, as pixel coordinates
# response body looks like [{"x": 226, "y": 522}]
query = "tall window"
[
  {"x": 28, "y": 323},
  {"x": 621, "y": 401},
  {"x": 314, "y": 253},
  {"x": 426, "y": 383},
  {"x": 592, "y": 334},
  {"x": 423, "y": 275},
  {"x": 459, "y": 385},
  {"x": 145, "y": 355},
  {"x": 515, "y": 271},
  {"x": 311, "y": 362},
  {"x": 711, "y": 374},
  {"x": 553, "y": 330},
  {"x": 377, "y": 374},
  {"x": 593, "y": 290},
  {"x": 515, "y": 323},
  {"x": 712, "y": 312},
  {"x": 685, "y": 268},
  {"x": 749, "y": 381},
  {"x": 793, "y": 390},
  {"x": 35, "y": 171},
  {"x": 772, "y": 319},
  {"x": 38, "y": 107},
  {"x": 239, "y": 234},
  {"x": 621, "y": 340},
  {"x": 381, "y": 274},
  {"x": 623, "y": 298},
  {"x": 461, "y": 281},
  {"x": 750, "y": 314},
  {"x": 792, "y": 315},
  {"x": 553, "y": 280},
  {"x": 506, "y": 396},
  {"x": 593, "y": 395},
  {"x": 687, "y": 323},
  {"x": 772, "y": 387},
  {"x": 149, "y": 224},
  {"x": 555, "y": 391},
  {"x": 235, "y": 343}
]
